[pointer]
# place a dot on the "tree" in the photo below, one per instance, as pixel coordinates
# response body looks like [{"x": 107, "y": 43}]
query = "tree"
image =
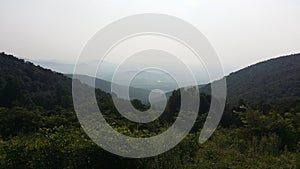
[{"x": 9, "y": 93}]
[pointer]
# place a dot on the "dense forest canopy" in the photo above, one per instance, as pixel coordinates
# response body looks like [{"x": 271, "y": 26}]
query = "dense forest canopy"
[{"x": 39, "y": 128}]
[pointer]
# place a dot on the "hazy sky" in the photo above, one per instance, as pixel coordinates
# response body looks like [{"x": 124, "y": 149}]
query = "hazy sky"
[{"x": 242, "y": 31}]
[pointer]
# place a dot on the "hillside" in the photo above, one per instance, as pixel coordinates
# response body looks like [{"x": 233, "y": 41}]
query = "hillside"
[
  {"x": 26, "y": 85},
  {"x": 270, "y": 80}
]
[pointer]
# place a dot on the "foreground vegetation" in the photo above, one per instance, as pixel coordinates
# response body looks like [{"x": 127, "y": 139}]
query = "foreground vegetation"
[{"x": 251, "y": 138}]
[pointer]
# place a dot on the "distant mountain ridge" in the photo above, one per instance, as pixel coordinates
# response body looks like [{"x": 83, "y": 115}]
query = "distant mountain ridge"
[
  {"x": 270, "y": 80},
  {"x": 134, "y": 93},
  {"x": 148, "y": 80}
]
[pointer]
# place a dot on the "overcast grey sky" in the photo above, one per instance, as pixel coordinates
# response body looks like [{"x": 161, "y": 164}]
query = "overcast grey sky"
[{"x": 242, "y": 31}]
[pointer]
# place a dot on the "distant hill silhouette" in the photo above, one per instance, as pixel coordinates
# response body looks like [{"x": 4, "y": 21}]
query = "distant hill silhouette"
[
  {"x": 134, "y": 93},
  {"x": 270, "y": 80},
  {"x": 148, "y": 80}
]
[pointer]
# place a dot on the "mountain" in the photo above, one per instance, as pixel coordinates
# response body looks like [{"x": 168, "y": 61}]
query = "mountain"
[
  {"x": 134, "y": 93},
  {"x": 67, "y": 67},
  {"x": 270, "y": 80},
  {"x": 147, "y": 80},
  {"x": 58, "y": 66},
  {"x": 26, "y": 85}
]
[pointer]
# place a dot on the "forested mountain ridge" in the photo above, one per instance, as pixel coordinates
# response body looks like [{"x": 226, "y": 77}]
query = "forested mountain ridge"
[
  {"x": 24, "y": 84},
  {"x": 270, "y": 80}
]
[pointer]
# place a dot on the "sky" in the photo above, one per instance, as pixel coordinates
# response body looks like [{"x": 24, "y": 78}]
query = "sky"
[{"x": 242, "y": 32}]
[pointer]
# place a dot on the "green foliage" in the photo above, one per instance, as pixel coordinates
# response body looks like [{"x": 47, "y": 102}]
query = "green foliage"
[
  {"x": 268, "y": 140},
  {"x": 18, "y": 120}
]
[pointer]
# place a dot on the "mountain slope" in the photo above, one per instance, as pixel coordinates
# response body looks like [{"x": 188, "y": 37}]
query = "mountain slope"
[
  {"x": 270, "y": 80},
  {"x": 26, "y": 85}
]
